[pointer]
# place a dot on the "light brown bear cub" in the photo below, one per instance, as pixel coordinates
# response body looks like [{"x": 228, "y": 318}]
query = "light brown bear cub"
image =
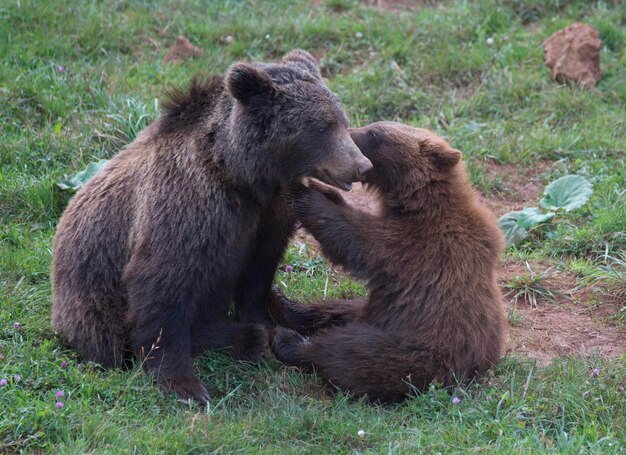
[{"x": 434, "y": 312}]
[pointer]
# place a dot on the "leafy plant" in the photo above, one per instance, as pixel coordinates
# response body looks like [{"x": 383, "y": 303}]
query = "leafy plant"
[
  {"x": 563, "y": 195},
  {"x": 567, "y": 193},
  {"x": 83, "y": 176}
]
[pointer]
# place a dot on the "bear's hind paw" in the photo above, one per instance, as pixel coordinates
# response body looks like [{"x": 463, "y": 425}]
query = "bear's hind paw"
[
  {"x": 287, "y": 345},
  {"x": 251, "y": 343}
]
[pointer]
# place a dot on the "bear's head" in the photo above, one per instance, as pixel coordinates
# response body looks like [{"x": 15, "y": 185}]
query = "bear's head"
[
  {"x": 405, "y": 159},
  {"x": 287, "y": 111}
]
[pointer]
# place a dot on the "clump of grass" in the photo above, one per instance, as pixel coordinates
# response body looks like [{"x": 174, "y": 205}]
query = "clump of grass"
[
  {"x": 514, "y": 318},
  {"x": 610, "y": 279},
  {"x": 529, "y": 287},
  {"x": 304, "y": 274},
  {"x": 130, "y": 117}
]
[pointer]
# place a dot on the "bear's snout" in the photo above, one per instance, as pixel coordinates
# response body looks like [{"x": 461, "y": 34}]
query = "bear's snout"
[{"x": 363, "y": 167}]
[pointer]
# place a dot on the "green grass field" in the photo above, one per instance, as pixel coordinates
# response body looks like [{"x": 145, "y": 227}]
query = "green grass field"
[{"x": 78, "y": 80}]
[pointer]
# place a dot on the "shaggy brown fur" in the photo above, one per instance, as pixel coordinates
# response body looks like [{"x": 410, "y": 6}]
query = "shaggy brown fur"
[
  {"x": 434, "y": 312},
  {"x": 189, "y": 219}
]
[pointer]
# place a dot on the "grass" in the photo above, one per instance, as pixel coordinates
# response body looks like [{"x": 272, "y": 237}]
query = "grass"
[
  {"x": 78, "y": 81},
  {"x": 529, "y": 287}
]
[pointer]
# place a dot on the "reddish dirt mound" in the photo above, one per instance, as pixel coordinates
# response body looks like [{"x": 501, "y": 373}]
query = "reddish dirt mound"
[
  {"x": 181, "y": 50},
  {"x": 570, "y": 323}
]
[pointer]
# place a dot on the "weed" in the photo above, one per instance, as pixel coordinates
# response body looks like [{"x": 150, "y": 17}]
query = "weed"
[
  {"x": 529, "y": 287},
  {"x": 610, "y": 277}
]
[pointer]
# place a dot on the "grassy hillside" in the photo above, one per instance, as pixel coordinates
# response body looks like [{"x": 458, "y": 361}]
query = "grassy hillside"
[{"x": 78, "y": 80}]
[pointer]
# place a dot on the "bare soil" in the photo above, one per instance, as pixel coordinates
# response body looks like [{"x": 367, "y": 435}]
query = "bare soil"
[
  {"x": 572, "y": 322},
  {"x": 575, "y": 321},
  {"x": 515, "y": 187}
]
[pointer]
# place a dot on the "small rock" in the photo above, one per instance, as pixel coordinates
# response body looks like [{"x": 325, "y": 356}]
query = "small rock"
[
  {"x": 181, "y": 50},
  {"x": 574, "y": 53}
]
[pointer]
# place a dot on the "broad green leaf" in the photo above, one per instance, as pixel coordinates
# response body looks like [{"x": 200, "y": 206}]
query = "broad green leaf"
[
  {"x": 513, "y": 232},
  {"x": 83, "y": 176},
  {"x": 568, "y": 193},
  {"x": 57, "y": 128},
  {"x": 532, "y": 216}
]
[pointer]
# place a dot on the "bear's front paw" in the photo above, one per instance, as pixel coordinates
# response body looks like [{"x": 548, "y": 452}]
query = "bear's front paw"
[
  {"x": 287, "y": 344},
  {"x": 188, "y": 387},
  {"x": 329, "y": 193},
  {"x": 296, "y": 191},
  {"x": 297, "y": 197},
  {"x": 309, "y": 204}
]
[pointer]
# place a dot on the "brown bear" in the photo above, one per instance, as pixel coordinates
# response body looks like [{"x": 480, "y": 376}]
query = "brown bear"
[
  {"x": 434, "y": 312},
  {"x": 190, "y": 219}
]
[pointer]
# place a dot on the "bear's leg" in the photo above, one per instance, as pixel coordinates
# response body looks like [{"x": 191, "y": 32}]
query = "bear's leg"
[
  {"x": 267, "y": 248},
  {"x": 89, "y": 303},
  {"x": 307, "y": 318},
  {"x": 361, "y": 359},
  {"x": 162, "y": 306},
  {"x": 167, "y": 354},
  {"x": 171, "y": 365},
  {"x": 97, "y": 335},
  {"x": 247, "y": 342},
  {"x": 349, "y": 237}
]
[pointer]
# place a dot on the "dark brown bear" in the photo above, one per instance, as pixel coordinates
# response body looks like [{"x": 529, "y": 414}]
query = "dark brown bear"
[
  {"x": 434, "y": 312},
  {"x": 189, "y": 219}
]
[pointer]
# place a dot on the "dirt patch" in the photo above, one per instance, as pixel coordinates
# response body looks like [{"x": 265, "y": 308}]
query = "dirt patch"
[
  {"x": 576, "y": 320},
  {"x": 515, "y": 187},
  {"x": 565, "y": 324}
]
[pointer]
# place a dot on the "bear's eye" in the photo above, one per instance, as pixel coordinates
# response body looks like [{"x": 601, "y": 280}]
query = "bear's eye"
[
  {"x": 325, "y": 128},
  {"x": 372, "y": 133}
]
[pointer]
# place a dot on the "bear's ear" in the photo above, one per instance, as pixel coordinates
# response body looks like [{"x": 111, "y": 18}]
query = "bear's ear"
[
  {"x": 304, "y": 60},
  {"x": 245, "y": 81},
  {"x": 445, "y": 157}
]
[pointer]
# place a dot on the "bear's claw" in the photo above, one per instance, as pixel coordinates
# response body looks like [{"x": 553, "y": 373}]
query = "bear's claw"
[{"x": 188, "y": 388}]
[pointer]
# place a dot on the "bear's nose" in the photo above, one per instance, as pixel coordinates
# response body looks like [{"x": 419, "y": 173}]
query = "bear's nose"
[{"x": 364, "y": 167}]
